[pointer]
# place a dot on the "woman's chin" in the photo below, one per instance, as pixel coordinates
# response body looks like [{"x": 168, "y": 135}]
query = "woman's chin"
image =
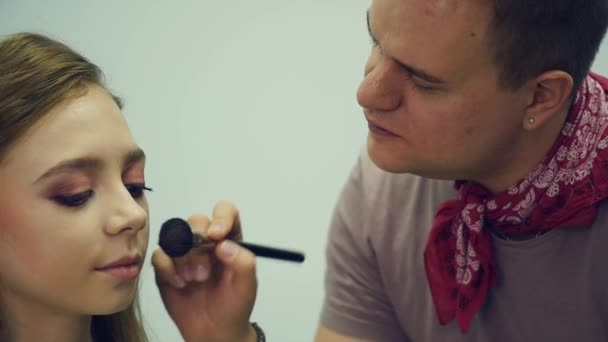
[{"x": 114, "y": 305}]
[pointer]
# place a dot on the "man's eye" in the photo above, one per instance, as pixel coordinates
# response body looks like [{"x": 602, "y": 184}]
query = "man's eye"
[
  {"x": 417, "y": 86},
  {"x": 74, "y": 201}
]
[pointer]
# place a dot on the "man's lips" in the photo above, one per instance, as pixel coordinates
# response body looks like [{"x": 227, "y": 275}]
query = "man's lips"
[{"x": 379, "y": 130}]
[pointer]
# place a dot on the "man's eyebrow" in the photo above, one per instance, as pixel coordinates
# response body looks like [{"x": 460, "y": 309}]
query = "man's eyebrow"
[
  {"x": 90, "y": 163},
  {"x": 417, "y": 72}
]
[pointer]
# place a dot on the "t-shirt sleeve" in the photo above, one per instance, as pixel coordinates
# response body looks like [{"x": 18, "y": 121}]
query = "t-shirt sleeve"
[{"x": 355, "y": 300}]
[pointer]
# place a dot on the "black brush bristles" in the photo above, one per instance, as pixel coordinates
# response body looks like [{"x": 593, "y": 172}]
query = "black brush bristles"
[{"x": 175, "y": 237}]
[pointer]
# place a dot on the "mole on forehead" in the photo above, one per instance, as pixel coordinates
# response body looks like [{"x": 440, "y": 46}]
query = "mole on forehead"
[
  {"x": 439, "y": 7},
  {"x": 442, "y": 8}
]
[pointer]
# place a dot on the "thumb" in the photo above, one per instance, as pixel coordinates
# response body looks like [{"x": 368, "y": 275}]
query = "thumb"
[{"x": 239, "y": 263}]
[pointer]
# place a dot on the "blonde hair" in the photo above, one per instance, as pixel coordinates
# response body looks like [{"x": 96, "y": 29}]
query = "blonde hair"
[{"x": 36, "y": 74}]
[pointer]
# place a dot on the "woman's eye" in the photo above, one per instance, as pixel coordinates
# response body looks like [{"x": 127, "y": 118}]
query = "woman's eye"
[
  {"x": 137, "y": 190},
  {"x": 74, "y": 201}
]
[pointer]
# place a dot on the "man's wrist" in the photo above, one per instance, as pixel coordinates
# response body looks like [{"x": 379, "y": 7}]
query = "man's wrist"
[
  {"x": 252, "y": 337},
  {"x": 253, "y": 333}
]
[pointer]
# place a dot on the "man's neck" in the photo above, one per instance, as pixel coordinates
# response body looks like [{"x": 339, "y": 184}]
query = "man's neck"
[{"x": 526, "y": 154}]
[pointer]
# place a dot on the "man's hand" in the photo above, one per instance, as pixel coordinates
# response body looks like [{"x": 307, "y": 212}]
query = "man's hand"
[{"x": 210, "y": 293}]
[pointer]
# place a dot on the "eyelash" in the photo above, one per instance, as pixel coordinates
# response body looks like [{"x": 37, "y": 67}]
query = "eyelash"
[
  {"x": 415, "y": 85},
  {"x": 80, "y": 199},
  {"x": 137, "y": 190}
]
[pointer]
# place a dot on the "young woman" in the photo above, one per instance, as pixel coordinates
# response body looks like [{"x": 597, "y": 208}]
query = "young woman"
[{"x": 74, "y": 217}]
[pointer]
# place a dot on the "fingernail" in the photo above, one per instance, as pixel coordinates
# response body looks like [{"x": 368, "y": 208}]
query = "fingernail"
[
  {"x": 215, "y": 228},
  {"x": 201, "y": 273},
  {"x": 229, "y": 249},
  {"x": 187, "y": 273},
  {"x": 179, "y": 282}
]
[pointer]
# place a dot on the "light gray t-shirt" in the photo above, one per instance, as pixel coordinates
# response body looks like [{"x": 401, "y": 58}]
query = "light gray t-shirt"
[{"x": 552, "y": 288}]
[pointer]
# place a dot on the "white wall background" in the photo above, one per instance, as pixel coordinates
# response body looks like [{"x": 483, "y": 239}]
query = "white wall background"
[{"x": 251, "y": 101}]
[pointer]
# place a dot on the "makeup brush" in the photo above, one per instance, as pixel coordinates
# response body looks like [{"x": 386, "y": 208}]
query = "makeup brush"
[{"x": 176, "y": 239}]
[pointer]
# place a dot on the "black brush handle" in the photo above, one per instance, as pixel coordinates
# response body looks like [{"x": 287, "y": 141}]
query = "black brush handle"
[{"x": 270, "y": 252}]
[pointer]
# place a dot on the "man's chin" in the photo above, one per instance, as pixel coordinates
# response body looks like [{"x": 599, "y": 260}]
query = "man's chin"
[
  {"x": 387, "y": 161},
  {"x": 391, "y": 162}
]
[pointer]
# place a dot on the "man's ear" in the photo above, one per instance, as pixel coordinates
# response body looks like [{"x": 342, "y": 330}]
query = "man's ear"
[{"x": 551, "y": 95}]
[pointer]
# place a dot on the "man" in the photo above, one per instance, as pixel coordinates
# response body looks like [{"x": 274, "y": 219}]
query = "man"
[
  {"x": 496, "y": 95},
  {"x": 478, "y": 211}
]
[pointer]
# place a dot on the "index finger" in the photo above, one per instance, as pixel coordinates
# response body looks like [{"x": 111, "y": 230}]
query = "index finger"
[{"x": 225, "y": 222}]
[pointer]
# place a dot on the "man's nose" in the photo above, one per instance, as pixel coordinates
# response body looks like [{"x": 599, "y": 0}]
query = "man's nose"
[{"x": 381, "y": 88}]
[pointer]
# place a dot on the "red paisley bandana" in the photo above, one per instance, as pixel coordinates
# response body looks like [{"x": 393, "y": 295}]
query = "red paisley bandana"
[{"x": 563, "y": 191}]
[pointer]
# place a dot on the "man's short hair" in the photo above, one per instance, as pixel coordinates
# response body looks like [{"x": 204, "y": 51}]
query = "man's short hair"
[{"x": 529, "y": 37}]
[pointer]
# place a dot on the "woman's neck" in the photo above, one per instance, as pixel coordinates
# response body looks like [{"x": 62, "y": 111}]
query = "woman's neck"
[{"x": 24, "y": 323}]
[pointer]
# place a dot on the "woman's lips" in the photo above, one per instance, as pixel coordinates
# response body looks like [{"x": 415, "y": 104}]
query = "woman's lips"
[
  {"x": 126, "y": 268},
  {"x": 126, "y": 273}
]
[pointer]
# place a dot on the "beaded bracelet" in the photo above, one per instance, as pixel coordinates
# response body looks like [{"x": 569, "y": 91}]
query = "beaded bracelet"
[{"x": 259, "y": 332}]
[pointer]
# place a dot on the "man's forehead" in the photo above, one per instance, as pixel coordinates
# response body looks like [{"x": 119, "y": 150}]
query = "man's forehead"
[
  {"x": 442, "y": 17},
  {"x": 434, "y": 8},
  {"x": 437, "y": 7},
  {"x": 423, "y": 33}
]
